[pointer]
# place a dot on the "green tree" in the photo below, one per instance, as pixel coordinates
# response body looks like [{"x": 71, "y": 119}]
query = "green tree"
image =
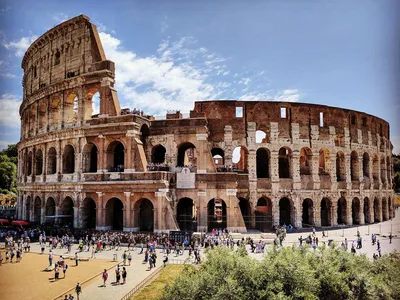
[{"x": 8, "y": 175}]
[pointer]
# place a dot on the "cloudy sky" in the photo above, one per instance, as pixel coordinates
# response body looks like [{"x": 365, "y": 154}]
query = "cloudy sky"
[{"x": 171, "y": 53}]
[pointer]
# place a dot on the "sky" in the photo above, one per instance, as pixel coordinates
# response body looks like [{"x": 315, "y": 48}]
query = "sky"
[{"x": 169, "y": 54}]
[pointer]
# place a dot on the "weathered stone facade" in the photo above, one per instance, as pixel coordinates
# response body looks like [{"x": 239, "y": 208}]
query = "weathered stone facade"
[{"x": 297, "y": 163}]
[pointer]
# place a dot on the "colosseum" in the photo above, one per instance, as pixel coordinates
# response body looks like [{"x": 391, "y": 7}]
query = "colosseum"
[{"x": 230, "y": 164}]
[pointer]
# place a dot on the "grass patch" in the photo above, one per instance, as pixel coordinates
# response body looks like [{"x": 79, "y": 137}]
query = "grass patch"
[{"x": 155, "y": 289}]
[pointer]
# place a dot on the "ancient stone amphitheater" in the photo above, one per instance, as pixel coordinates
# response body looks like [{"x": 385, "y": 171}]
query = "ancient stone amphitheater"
[{"x": 232, "y": 164}]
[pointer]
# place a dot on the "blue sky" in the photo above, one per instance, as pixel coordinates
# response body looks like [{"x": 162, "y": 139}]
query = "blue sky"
[{"x": 171, "y": 53}]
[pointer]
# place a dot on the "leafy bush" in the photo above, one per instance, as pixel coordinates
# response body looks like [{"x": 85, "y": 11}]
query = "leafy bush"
[{"x": 289, "y": 273}]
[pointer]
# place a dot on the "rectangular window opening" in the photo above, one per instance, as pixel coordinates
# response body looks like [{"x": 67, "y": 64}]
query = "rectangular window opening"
[
  {"x": 321, "y": 119},
  {"x": 239, "y": 112},
  {"x": 283, "y": 112}
]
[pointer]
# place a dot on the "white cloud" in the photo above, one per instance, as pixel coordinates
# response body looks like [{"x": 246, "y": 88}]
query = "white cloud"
[
  {"x": 8, "y": 75},
  {"x": 9, "y": 113},
  {"x": 292, "y": 95},
  {"x": 20, "y": 46},
  {"x": 396, "y": 144},
  {"x": 4, "y": 144},
  {"x": 245, "y": 80},
  {"x": 164, "y": 25},
  {"x": 60, "y": 17}
]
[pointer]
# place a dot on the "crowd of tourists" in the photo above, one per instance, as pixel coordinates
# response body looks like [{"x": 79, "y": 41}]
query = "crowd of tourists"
[{"x": 157, "y": 167}]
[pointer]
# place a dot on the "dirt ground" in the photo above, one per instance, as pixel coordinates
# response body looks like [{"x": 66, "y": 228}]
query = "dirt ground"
[{"x": 27, "y": 280}]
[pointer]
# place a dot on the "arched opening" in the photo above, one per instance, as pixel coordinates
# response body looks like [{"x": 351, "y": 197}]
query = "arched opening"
[
  {"x": 284, "y": 162},
  {"x": 261, "y": 137},
  {"x": 340, "y": 167},
  {"x": 37, "y": 210},
  {"x": 308, "y": 213},
  {"x": 69, "y": 160},
  {"x": 67, "y": 212},
  {"x": 377, "y": 217},
  {"x": 54, "y": 118},
  {"x": 88, "y": 214},
  {"x": 390, "y": 208},
  {"x": 375, "y": 170},
  {"x": 286, "y": 212},
  {"x": 92, "y": 104},
  {"x": 186, "y": 215},
  {"x": 39, "y": 162},
  {"x": 389, "y": 167},
  {"x": 71, "y": 110},
  {"x": 262, "y": 160},
  {"x": 366, "y": 210},
  {"x": 305, "y": 161},
  {"x": 341, "y": 211},
  {"x": 365, "y": 165},
  {"x": 158, "y": 154},
  {"x": 27, "y": 208},
  {"x": 42, "y": 114},
  {"x": 264, "y": 214},
  {"x": 244, "y": 206},
  {"x": 216, "y": 211},
  {"x": 115, "y": 157},
  {"x": 354, "y": 170},
  {"x": 383, "y": 170},
  {"x": 326, "y": 212},
  {"x": 385, "y": 210},
  {"x": 114, "y": 214},
  {"x": 218, "y": 156},
  {"x": 240, "y": 159},
  {"x": 50, "y": 210},
  {"x": 324, "y": 165},
  {"x": 186, "y": 155},
  {"x": 96, "y": 103},
  {"x": 89, "y": 158},
  {"x": 29, "y": 164},
  {"x": 52, "y": 161},
  {"x": 355, "y": 211},
  {"x": 144, "y": 133},
  {"x": 145, "y": 215}
]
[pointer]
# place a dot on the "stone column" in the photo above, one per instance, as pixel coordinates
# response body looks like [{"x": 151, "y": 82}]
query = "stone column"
[
  {"x": 76, "y": 217},
  {"x": 347, "y": 160},
  {"x": 349, "y": 212},
  {"x": 361, "y": 212},
  {"x": 315, "y": 170},
  {"x": 274, "y": 172},
  {"x": 202, "y": 211},
  {"x": 127, "y": 212},
  {"x": 100, "y": 221},
  {"x": 334, "y": 213},
  {"x": 317, "y": 214},
  {"x": 59, "y": 157},
  {"x": 361, "y": 171},
  {"x": 275, "y": 211},
  {"x": 159, "y": 225},
  {"x": 101, "y": 159}
]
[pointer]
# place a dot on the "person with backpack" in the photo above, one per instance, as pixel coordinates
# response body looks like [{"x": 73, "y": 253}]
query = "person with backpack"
[
  {"x": 105, "y": 277},
  {"x": 78, "y": 290}
]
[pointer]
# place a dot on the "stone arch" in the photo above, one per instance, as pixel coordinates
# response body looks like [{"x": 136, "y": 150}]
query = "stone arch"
[
  {"x": 341, "y": 211},
  {"x": 92, "y": 103},
  {"x": 42, "y": 114},
  {"x": 377, "y": 208},
  {"x": 284, "y": 161},
  {"x": 144, "y": 215},
  {"x": 367, "y": 210},
  {"x": 39, "y": 162},
  {"x": 307, "y": 213},
  {"x": 263, "y": 163},
  {"x": 50, "y": 210},
  {"x": 365, "y": 164},
  {"x": 114, "y": 214},
  {"x": 116, "y": 156},
  {"x": 186, "y": 214},
  {"x": 245, "y": 209},
  {"x": 390, "y": 203},
  {"x": 186, "y": 155},
  {"x": 52, "y": 161},
  {"x": 305, "y": 161},
  {"x": 240, "y": 159},
  {"x": 144, "y": 133},
  {"x": 324, "y": 162},
  {"x": 385, "y": 210},
  {"x": 54, "y": 110},
  {"x": 355, "y": 211},
  {"x": 218, "y": 156},
  {"x": 71, "y": 107},
  {"x": 67, "y": 211},
  {"x": 158, "y": 154},
  {"x": 375, "y": 170},
  {"x": 383, "y": 170},
  {"x": 263, "y": 214},
  {"x": 216, "y": 214},
  {"x": 29, "y": 163},
  {"x": 354, "y": 166},
  {"x": 37, "y": 210},
  {"x": 27, "y": 208},
  {"x": 261, "y": 137},
  {"x": 69, "y": 159},
  {"x": 340, "y": 167},
  {"x": 287, "y": 211},
  {"x": 89, "y": 158},
  {"x": 389, "y": 167},
  {"x": 326, "y": 212},
  {"x": 88, "y": 213}
]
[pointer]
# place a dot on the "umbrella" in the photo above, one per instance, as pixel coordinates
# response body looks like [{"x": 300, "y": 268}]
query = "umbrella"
[
  {"x": 2, "y": 221},
  {"x": 20, "y": 223}
]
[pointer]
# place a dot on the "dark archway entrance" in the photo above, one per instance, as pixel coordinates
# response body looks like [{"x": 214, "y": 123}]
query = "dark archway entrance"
[
  {"x": 366, "y": 211},
  {"x": 385, "y": 210},
  {"x": 186, "y": 215},
  {"x": 216, "y": 214},
  {"x": 50, "y": 210},
  {"x": 89, "y": 158},
  {"x": 37, "y": 210},
  {"x": 285, "y": 211},
  {"x": 376, "y": 210},
  {"x": 88, "y": 214},
  {"x": 146, "y": 215},
  {"x": 186, "y": 155},
  {"x": 284, "y": 162},
  {"x": 66, "y": 212},
  {"x": 116, "y": 157},
  {"x": 69, "y": 160},
  {"x": 244, "y": 206},
  {"x": 262, "y": 160},
  {"x": 341, "y": 211},
  {"x": 158, "y": 154},
  {"x": 308, "y": 213},
  {"x": 115, "y": 214},
  {"x": 355, "y": 211},
  {"x": 27, "y": 208},
  {"x": 264, "y": 214},
  {"x": 326, "y": 215}
]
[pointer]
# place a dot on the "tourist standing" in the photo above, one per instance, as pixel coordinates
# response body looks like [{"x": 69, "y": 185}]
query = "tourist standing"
[
  {"x": 65, "y": 267},
  {"x": 117, "y": 274},
  {"x": 56, "y": 272},
  {"x": 50, "y": 258},
  {"x": 129, "y": 258},
  {"x": 124, "y": 275},
  {"x": 105, "y": 277},
  {"x": 78, "y": 290},
  {"x": 76, "y": 259}
]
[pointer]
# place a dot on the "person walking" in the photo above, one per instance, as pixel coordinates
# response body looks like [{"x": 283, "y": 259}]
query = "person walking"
[
  {"x": 117, "y": 274},
  {"x": 124, "y": 275},
  {"x": 390, "y": 238},
  {"x": 105, "y": 277},
  {"x": 76, "y": 259},
  {"x": 65, "y": 267},
  {"x": 78, "y": 290},
  {"x": 50, "y": 258},
  {"x": 129, "y": 258},
  {"x": 124, "y": 257},
  {"x": 56, "y": 272}
]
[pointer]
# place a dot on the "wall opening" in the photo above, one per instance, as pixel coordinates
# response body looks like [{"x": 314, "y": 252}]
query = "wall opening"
[
  {"x": 283, "y": 112},
  {"x": 218, "y": 156},
  {"x": 354, "y": 170},
  {"x": 263, "y": 214},
  {"x": 89, "y": 158},
  {"x": 326, "y": 212},
  {"x": 39, "y": 162},
  {"x": 239, "y": 112},
  {"x": 261, "y": 137},
  {"x": 244, "y": 206},
  {"x": 186, "y": 215},
  {"x": 355, "y": 211},
  {"x": 340, "y": 167},
  {"x": 88, "y": 214},
  {"x": 116, "y": 157},
  {"x": 158, "y": 154},
  {"x": 216, "y": 214},
  {"x": 305, "y": 161},
  {"x": 341, "y": 211},
  {"x": 69, "y": 160},
  {"x": 365, "y": 165},
  {"x": 115, "y": 214},
  {"x": 308, "y": 213},
  {"x": 240, "y": 159},
  {"x": 187, "y": 155},
  {"x": 284, "y": 162},
  {"x": 262, "y": 160},
  {"x": 52, "y": 161},
  {"x": 286, "y": 212}
]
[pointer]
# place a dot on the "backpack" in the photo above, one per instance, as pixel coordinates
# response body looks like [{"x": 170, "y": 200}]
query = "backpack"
[{"x": 66, "y": 266}]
